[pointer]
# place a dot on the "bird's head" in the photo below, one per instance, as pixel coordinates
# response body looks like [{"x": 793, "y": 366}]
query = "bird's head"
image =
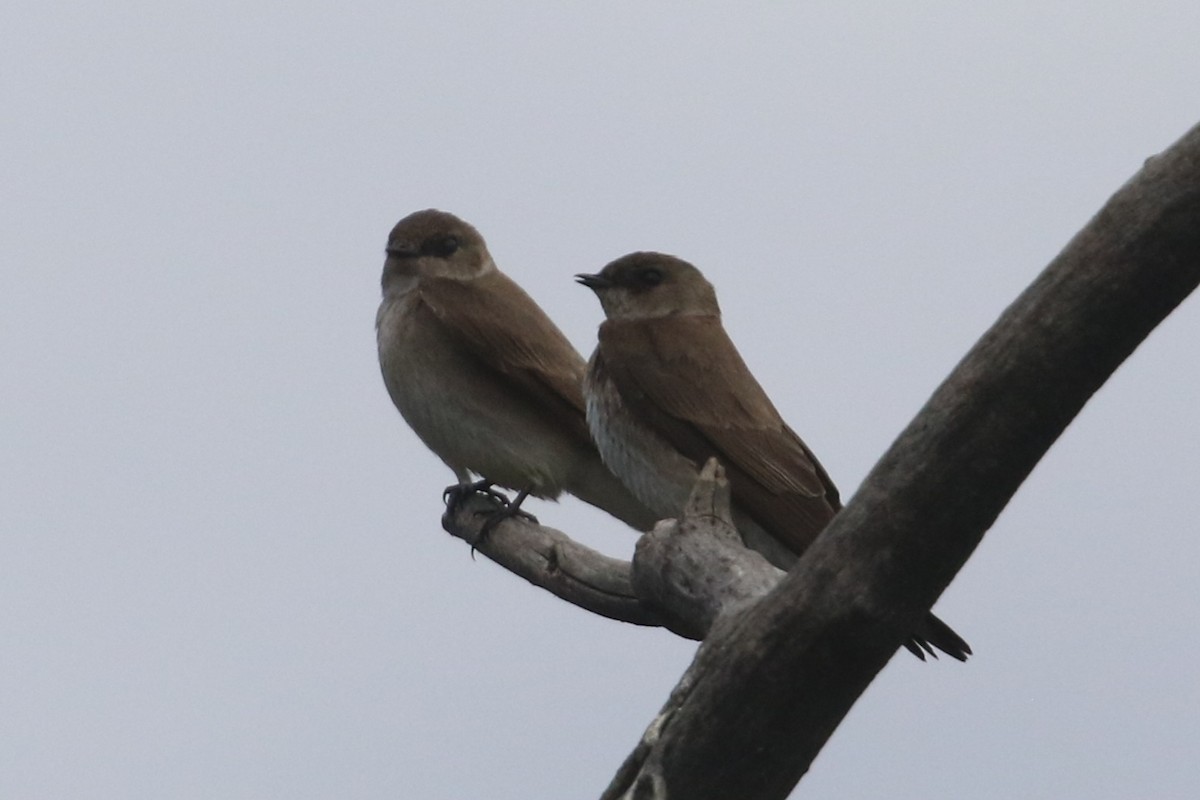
[
  {"x": 650, "y": 285},
  {"x": 434, "y": 244}
]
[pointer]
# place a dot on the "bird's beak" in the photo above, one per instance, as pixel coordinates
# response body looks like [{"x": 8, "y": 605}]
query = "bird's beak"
[
  {"x": 401, "y": 252},
  {"x": 593, "y": 282}
]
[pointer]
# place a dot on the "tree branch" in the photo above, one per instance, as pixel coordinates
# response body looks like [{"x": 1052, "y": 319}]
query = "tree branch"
[
  {"x": 684, "y": 575},
  {"x": 552, "y": 560},
  {"x": 696, "y": 569}
]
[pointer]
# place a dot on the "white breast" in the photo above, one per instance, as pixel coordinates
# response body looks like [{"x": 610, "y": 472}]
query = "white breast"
[
  {"x": 653, "y": 470},
  {"x": 467, "y": 416}
]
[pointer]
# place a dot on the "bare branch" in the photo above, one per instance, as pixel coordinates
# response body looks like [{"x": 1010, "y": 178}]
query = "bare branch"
[
  {"x": 550, "y": 559},
  {"x": 697, "y": 569},
  {"x": 684, "y": 574}
]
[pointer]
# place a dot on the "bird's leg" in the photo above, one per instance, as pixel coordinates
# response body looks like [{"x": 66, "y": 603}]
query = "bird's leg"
[
  {"x": 456, "y": 493},
  {"x": 512, "y": 509}
]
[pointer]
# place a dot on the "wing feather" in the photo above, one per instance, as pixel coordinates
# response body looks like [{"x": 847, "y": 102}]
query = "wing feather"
[
  {"x": 683, "y": 377},
  {"x": 497, "y": 322}
]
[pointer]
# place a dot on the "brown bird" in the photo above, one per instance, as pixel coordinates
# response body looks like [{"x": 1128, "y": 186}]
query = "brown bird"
[
  {"x": 666, "y": 390},
  {"x": 482, "y": 375}
]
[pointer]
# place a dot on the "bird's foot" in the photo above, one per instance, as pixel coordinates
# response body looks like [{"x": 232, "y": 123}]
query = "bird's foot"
[
  {"x": 455, "y": 494},
  {"x": 494, "y": 518}
]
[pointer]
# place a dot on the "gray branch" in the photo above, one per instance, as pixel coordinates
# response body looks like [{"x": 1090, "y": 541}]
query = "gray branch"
[
  {"x": 684, "y": 574},
  {"x": 552, "y": 560},
  {"x": 696, "y": 570}
]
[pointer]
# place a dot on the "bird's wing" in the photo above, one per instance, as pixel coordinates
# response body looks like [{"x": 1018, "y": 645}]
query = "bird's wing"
[
  {"x": 685, "y": 379},
  {"x": 494, "y": 320}
]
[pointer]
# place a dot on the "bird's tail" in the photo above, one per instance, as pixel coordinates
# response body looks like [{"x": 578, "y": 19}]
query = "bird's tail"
[{"x": 931, "y": 633}]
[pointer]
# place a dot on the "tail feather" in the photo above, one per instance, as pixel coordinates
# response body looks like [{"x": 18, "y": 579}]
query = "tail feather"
[{"x": 931, "y": 633}]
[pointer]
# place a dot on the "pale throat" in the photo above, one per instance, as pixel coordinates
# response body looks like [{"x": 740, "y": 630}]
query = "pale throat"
[{"x": 621, "y": 306}]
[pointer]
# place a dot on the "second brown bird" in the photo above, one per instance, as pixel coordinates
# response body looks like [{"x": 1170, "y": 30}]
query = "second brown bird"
[{"x": 666, "y": 390}]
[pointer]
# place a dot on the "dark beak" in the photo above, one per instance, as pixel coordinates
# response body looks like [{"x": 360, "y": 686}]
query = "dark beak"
[
  {"x": 594, "y": 282},
  {"x": 401, "y": 252}
]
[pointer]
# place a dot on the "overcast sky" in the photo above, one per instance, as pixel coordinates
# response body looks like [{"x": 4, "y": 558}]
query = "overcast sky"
[{"x": 222, "y": 573}]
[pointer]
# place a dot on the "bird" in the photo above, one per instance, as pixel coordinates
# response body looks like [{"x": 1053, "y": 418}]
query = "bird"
[
  {"x": 666, "y": 389},
  {"x": 482, "y": 375}
]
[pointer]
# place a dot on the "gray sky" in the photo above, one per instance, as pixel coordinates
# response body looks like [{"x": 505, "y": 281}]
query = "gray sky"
[{"x": 222, "y": 573}]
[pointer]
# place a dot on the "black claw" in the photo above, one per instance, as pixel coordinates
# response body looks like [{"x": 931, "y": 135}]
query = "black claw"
[
  {"x": 454, "y": 494},
  {"x": 511, "y": 509}
]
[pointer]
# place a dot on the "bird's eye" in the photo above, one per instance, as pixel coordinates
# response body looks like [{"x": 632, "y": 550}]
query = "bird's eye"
[
  {"x": 650, "y": 276},
  {"x": 443, "y": 247}
]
